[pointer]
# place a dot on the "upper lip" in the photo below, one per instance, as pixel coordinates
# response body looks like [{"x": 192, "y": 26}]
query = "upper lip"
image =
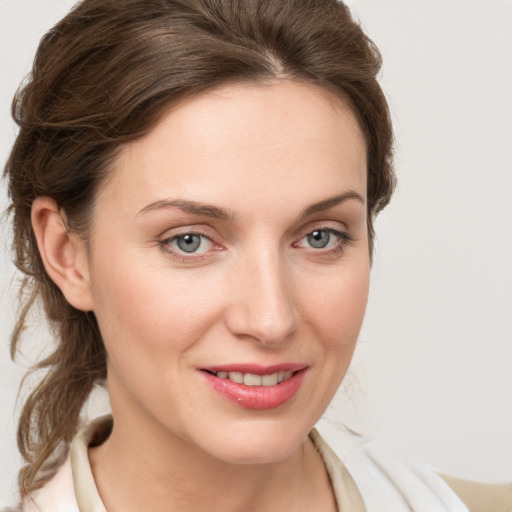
[{"x": 255, "y": 369}]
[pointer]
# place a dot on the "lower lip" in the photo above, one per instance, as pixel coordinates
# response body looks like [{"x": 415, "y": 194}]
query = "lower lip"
[{"x": 257, "y": 397}]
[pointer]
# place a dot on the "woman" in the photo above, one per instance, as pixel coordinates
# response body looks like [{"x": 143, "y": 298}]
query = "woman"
[{"x": 193, "y": 189}]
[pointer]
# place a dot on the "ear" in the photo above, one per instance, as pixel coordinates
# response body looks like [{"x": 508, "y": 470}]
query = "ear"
[{"x": 64, "y": 255}]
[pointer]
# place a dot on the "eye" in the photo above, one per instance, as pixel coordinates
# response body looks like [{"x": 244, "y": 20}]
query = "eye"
[
  {"x": 189, "y": 243},
  {"x": 324, "y": 239}
]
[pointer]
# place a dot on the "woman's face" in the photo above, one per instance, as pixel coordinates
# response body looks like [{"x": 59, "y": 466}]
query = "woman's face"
[{"x": 230, "y": 244}]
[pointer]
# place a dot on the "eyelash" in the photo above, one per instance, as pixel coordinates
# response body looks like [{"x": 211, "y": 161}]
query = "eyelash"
[{"x": 344, "y": 239}]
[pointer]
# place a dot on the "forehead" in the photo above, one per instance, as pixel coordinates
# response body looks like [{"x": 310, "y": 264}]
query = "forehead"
[{"x": 243, "y": 141}]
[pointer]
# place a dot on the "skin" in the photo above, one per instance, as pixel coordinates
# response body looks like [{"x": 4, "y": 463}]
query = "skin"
[{"x": 256, "y": 291}]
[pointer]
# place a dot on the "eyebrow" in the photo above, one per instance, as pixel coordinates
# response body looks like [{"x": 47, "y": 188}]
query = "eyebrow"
[
  {"x": 193, "y": 207},
  {"x": 208, "y": 210},
  {"x": 332, "y": 201}
]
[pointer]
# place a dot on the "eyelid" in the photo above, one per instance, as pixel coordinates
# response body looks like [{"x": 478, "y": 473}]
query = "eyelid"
[
  {"x": 334, "y": 226},
  {"x": 189, "y": 229}
]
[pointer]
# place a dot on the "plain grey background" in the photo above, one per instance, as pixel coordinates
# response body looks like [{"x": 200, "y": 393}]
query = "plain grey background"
[{"x": 432, "y": 373}]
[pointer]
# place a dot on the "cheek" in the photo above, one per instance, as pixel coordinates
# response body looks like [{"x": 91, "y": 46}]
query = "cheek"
[
  {"x": 336, "y": 308},
  {"x": 150, "y": 308},
  {"x": 334, "y": 311}
]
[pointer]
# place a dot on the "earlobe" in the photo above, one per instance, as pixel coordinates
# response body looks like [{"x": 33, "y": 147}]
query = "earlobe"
[{"x": 64, "y": 255}]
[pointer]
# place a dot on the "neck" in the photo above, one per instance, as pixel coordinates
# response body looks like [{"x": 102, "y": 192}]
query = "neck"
[{"x": 161, "y": 472}]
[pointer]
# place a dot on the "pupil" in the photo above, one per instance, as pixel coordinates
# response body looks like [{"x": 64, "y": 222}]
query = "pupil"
[
  {"x": 319, "y": 239},
  {"x": 189, "y": 243}
]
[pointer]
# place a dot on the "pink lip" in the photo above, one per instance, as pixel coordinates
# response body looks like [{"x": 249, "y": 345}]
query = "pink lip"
[
  {"x": 256, "y": 397},
  {"x": 256, "y": 369}
]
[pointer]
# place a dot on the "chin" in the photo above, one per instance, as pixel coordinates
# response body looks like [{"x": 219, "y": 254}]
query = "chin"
[{"x": 253, "y": 443}]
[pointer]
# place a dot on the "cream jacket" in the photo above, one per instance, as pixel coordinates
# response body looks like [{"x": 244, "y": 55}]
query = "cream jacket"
[{"x": 368, "y": 480}]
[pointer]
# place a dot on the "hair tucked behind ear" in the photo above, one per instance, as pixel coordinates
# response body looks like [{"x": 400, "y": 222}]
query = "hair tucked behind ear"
[{"x": 104, "y": 76}]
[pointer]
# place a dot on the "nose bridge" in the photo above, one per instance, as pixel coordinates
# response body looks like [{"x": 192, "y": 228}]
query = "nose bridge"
[{"x": 265, "y": 305}]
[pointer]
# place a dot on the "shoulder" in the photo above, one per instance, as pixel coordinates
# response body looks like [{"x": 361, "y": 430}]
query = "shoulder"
[
  {"x": 72, "y": 488},
  {"x": 57, "y": 495},
  {"x": 480, "y": 497},
  {"x": 383, "y": 477}
]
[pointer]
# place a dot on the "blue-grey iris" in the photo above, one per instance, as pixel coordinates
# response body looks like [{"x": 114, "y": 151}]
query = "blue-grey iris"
[
  {"x": 319, "y": 239},
  {"x": 188, "y": 243}
]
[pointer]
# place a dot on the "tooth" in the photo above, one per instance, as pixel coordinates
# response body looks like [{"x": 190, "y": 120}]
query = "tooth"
[
  {"x": 287, "y": 375},
  {"x": 280, "y": 376},
  {"x": 252, "y": 380},
  {"x": 236, "y": 377},
  {"x": 222, "y": 375},
  {"x": 269, "y": 380}
]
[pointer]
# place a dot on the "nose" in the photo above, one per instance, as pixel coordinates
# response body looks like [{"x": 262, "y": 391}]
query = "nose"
[{"x": 262, "y": 306}]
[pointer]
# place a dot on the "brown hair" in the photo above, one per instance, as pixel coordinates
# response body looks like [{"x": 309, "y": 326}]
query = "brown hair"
[{"x": 103, "y": 76}]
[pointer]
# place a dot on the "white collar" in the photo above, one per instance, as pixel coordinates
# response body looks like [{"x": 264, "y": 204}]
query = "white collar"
[
  {"x": 385, "y": 481},
  {"x": 368, "y": 480}
]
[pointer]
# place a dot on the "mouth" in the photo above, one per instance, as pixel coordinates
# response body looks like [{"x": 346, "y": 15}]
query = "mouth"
[
  {"x": 251, "y": 379},
  {"x": 256, "y": 387}
]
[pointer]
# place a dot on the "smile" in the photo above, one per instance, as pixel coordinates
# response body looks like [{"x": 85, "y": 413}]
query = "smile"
[{"x": 255, "y": 387}]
